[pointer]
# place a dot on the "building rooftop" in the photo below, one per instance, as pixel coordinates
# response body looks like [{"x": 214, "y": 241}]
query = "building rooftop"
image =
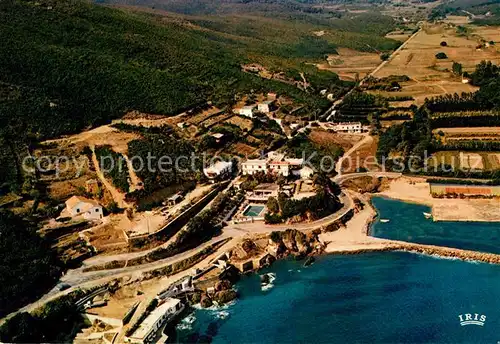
[
  {"x": 348, "y": 123},
  {"x": 218, "y": 135},
  {"x": 255, "y": 161},
  {"x": 158, "y": 312},
  {"x": 295, "y": 161},
  {"x": 248, "y": 107},
  {"x": 274, "y": 162},
  {"x": 74, "y": 200}
]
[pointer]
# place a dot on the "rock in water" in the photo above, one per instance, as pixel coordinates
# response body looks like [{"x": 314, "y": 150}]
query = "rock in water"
[
  {"x": 264, "y": 279},
  {"x": 309, "y": 261},
  {"x": 225, "y": 296},
  {"x": 205, "y": 302}
]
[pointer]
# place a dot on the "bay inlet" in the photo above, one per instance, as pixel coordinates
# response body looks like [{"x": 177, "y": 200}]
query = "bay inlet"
[{"x": 378, "y": 297}]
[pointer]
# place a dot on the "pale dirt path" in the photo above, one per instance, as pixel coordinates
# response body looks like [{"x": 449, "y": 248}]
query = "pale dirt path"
[
  {"x": 338, "y": 165},
  {"x": 118, "y": 197},
  {"x": 134, "y": 179}
]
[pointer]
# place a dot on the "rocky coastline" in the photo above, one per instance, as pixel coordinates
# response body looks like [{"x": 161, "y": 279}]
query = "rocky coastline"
[
  {"x": 350, "y": 236},
  {"x": 219, "y": 290}
]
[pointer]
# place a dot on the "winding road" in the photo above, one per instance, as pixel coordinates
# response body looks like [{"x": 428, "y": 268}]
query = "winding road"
[{"x": 78, "y": 279}]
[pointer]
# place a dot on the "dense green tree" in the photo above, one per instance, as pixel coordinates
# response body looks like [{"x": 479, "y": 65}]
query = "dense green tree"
[
  {"x": 441, "y": 56},
  {"x": 28, "y": 265},
  {"x": 457, "y": 68},
  {"x": 55, "y": 322},
  {"x": 272, "y": 205},
  {"x": 485, "y": 72},
  {"x": 21, "y": 328}
]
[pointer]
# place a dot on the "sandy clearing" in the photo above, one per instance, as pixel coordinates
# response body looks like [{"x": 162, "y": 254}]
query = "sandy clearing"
[
  {"x": 101, "y": 136},
  {"x": 350, "y": 64},
  {"x": 353, "y": 236}
]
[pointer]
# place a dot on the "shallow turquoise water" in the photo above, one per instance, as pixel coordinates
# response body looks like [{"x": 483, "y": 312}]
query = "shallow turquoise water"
[
  {"x": 408, "y": 223},
  {"x": 371, "y": 298},
  {"x": 394, "y": 297}
]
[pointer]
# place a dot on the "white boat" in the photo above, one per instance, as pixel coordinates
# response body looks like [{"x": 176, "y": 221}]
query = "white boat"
[
  {"x": 384, "y": 220},
  {"x": 427, "y": 215}
]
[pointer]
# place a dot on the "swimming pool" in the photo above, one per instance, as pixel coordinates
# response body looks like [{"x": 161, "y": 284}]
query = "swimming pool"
[{"x": 254, "y": 210}]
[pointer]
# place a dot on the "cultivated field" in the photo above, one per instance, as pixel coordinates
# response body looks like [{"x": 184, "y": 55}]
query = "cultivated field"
[
  {"x": 327, "y": 139},
  {"x": 457, "y": 20},
  {"x": 480, "y": 161},
  {"x": 455, "y": 134},
  {"x": 101, "y": 136},
  {"x": 349, "y": 64},
  {"x": 244, "y": 123},
  {"x": 432, "y": 77}
]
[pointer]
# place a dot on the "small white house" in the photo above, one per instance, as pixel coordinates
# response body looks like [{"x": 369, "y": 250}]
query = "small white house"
[
  {"x": 247, "y": 111},
  {"x": 265, "y": 107},
  {"x": 349, "y": 127},
  {"x": 272, "y": 96},
  {"x": 219, "y": 170},
  {"x": 217, "y": 136},
  {"x": 148, "y": 330},
  {"x": 88, "y": 208},
  {"x": 253, "y": 166},
  {"x": 306, "y": 172}
]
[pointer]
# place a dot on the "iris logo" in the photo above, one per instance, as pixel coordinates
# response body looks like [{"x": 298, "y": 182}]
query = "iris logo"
[{"x": 472, "y": 319}]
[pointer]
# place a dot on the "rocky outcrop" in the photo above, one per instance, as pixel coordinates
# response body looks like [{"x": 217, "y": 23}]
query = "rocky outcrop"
[
  {"x": 223, "y": 285},
  {"x": 195, "y": 298},
  {"x": 295, "y": 242},
  {"x": 225, "y": 296},
  {"x": 206, "y": 301}
]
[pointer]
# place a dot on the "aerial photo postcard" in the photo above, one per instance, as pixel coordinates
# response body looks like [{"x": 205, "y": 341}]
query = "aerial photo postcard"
[{"x": 250, "y": 171}]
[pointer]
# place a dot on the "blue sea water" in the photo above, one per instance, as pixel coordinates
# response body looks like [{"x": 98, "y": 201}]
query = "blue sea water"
[
  {"x": 385, "y": 297},
  {"x": 407, "y": 223}
]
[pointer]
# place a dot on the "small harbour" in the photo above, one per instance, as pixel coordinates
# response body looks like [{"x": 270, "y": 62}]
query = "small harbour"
[
  {"x": 407, "y": 222},
  {"x": 377, "y": 297}
]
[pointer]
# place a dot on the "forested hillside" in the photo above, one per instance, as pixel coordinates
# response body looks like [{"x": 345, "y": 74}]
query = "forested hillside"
[
  {"x": 286, "y": 22},
  {"x": 67, "y": 65},
  {"x": 483, "y": 12}
]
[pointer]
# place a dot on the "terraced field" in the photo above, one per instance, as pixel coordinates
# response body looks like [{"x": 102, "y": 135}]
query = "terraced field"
[{"x": 429, "y": 76}]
